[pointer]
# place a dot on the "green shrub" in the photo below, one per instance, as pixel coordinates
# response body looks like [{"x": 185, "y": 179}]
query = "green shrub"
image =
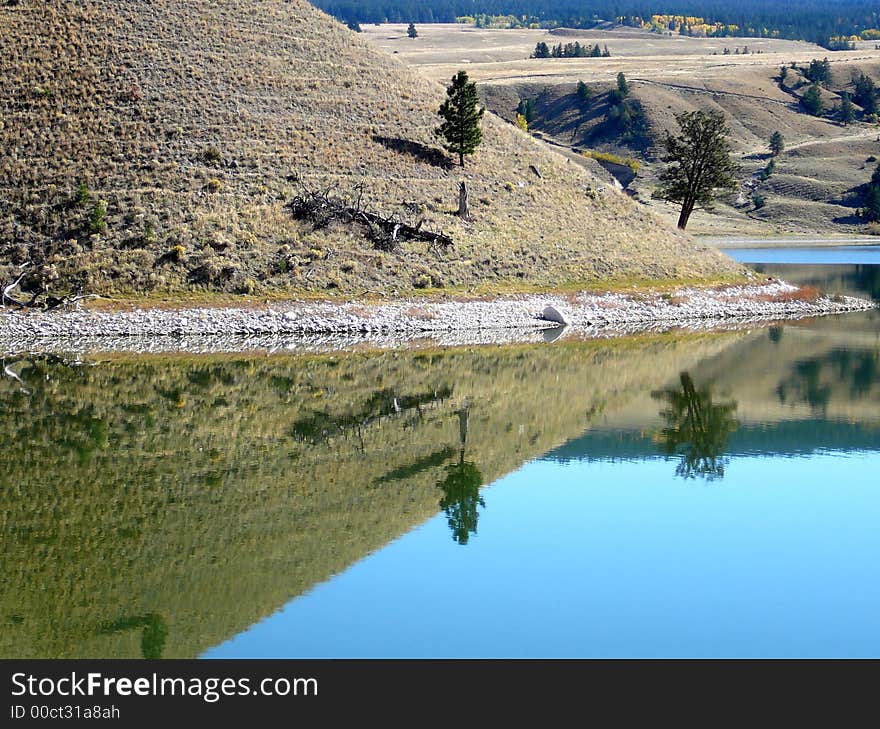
[
  {"x": 150, "y": 233},
  {"x": 82, "y": 195},
  {"x": 97, "y": 222}
]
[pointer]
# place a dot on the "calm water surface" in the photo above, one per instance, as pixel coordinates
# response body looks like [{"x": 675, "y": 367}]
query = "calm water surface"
[{"x": 674, "y": 495}]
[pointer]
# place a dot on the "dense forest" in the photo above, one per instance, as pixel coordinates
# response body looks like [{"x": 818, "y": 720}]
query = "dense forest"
[{"x": 812, "y": 20}]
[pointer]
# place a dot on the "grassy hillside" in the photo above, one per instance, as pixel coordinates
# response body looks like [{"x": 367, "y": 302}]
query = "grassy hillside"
[
  {"x": 164, "y": 504},
  {"x": 816, "y": 183},
  {"x": 155, "y": 146}
]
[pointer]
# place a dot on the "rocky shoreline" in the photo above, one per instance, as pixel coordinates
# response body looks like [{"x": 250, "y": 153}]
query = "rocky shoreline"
[{"x": 325, "y": 325}]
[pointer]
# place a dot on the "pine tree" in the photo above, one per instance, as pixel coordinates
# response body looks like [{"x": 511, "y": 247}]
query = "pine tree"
[
  {"x": 584, "y": 94},
  {"x": 462, "y": 117},
  {"x": 411, "y": 31},
  {"x": 542, "y": 50},
  {"x": 701, "y": 162},
  {"x": 622, "y": 85},
  {"x": 871, "y": 211},
  {"x": 777, "y": 143},
  {"x": 812, "y": 100},
  {"x": 865, "y": 94}
]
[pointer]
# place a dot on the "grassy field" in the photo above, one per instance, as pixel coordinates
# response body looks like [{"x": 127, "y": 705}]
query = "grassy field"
[
  {"x": 155, "y": 147},
  {"x": 815, "y": 186}
]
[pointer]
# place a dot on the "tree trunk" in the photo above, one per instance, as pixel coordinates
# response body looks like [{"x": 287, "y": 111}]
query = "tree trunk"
[
  {"x": 687, "y": 208},
  {"x": 463, "y": 208},
  {"x": 461, "y": 158}
]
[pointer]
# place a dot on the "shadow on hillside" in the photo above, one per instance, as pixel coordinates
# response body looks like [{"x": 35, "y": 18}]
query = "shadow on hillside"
[
  {"x": 853, "y": 219},
  {"x": 421, "y": 152}
]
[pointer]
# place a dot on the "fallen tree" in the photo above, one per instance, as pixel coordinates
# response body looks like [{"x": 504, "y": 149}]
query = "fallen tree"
[
  {"x": 39, "y": 299},
  {"x": 386, "y": 233}
]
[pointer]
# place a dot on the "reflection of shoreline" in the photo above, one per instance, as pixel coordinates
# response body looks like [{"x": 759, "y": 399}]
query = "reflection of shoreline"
[
  {"x": 464, "y": 322},
  {"x": 329, "y": 343},
  {"x": 851, "y": 279}
]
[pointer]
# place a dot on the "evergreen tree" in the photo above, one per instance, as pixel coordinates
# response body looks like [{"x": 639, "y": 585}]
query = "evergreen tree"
[
  {"x": 700, "y": 162},
  {"x": 606, "y": 53},
  {"x": 777, "y": 143},
  {"x": 462, "y": 117},
  {"x": 871, "y": 211},
  {"x": 411, "y": 31},
  {"x": 584, "y": 93},
  {"x": 865, "y": 94},
  {"x": 526, "y": 107},
  {"x": 812, "y": 100},
  {"x": 542, "y": 50},
  {"x": 622, "y": 85}
]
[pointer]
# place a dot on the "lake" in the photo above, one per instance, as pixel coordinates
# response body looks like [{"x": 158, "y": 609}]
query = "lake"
[{"x": 676, "y": 494}]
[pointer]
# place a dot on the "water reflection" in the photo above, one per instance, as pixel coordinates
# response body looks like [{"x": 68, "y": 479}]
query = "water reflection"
[
  {"x": 155, "y": 631},
  {"x": 154, "y": 507},
  {"x": 812, "y": 380},
  {"x": 461, "y": 488},
  {"x": 697, "y": 428}
]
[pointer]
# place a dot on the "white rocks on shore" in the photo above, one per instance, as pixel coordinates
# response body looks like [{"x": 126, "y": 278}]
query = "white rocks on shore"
[{"x": 504, "y": 319}]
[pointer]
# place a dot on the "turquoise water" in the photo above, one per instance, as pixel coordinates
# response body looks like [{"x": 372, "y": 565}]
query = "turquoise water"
[
  {"x": 617, "y": 558},
  {"x": 862, "y": 254},
  {"x": 643, "y": 536}
]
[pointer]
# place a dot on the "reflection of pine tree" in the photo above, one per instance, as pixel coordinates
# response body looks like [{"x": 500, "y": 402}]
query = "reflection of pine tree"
[
  {"x": 461, "y": 488},
  {"x": 461, "y": 498},
  {"x": 696, "y": 428}
]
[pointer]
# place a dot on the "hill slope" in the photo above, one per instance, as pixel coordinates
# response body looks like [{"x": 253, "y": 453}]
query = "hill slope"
[
  {"x": 195, "y": 123},
  {"x": 816, "y": 184}
]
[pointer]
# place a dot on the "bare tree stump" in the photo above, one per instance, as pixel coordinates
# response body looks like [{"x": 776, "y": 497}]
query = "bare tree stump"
[{"x": 463, "y": 207}]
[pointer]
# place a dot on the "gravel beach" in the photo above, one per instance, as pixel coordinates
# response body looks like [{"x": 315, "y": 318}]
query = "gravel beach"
[{"x": 323, "y": 325}]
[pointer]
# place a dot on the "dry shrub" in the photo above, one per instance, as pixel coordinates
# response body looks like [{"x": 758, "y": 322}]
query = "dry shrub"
[{"x": 804, "y": 293}]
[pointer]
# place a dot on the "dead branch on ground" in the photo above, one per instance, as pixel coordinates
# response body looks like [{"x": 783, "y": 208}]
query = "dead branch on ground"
[{"x": 386, "y": 233}]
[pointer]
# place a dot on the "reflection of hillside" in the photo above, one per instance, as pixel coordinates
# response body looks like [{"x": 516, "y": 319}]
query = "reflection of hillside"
[
  {"x": 797, "y": 390},
  {"x": 158, "y": 506},
  {"x": 786, "y": 438},
  {"x": 777, "y": 374}
]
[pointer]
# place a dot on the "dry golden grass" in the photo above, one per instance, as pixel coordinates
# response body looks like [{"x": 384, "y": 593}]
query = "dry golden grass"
[
  {"x": 197, "y": 122},
  {"x": 815, "y": 186}
]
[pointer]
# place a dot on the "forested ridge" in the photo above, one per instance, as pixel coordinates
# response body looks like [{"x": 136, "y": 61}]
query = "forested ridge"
[{"x": 811, "y": 20}]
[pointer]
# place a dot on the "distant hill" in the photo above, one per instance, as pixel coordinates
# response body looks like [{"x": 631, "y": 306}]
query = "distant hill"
[
  {"x": 814, "y": 186},
  {"x": 156, "y": 146}
]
